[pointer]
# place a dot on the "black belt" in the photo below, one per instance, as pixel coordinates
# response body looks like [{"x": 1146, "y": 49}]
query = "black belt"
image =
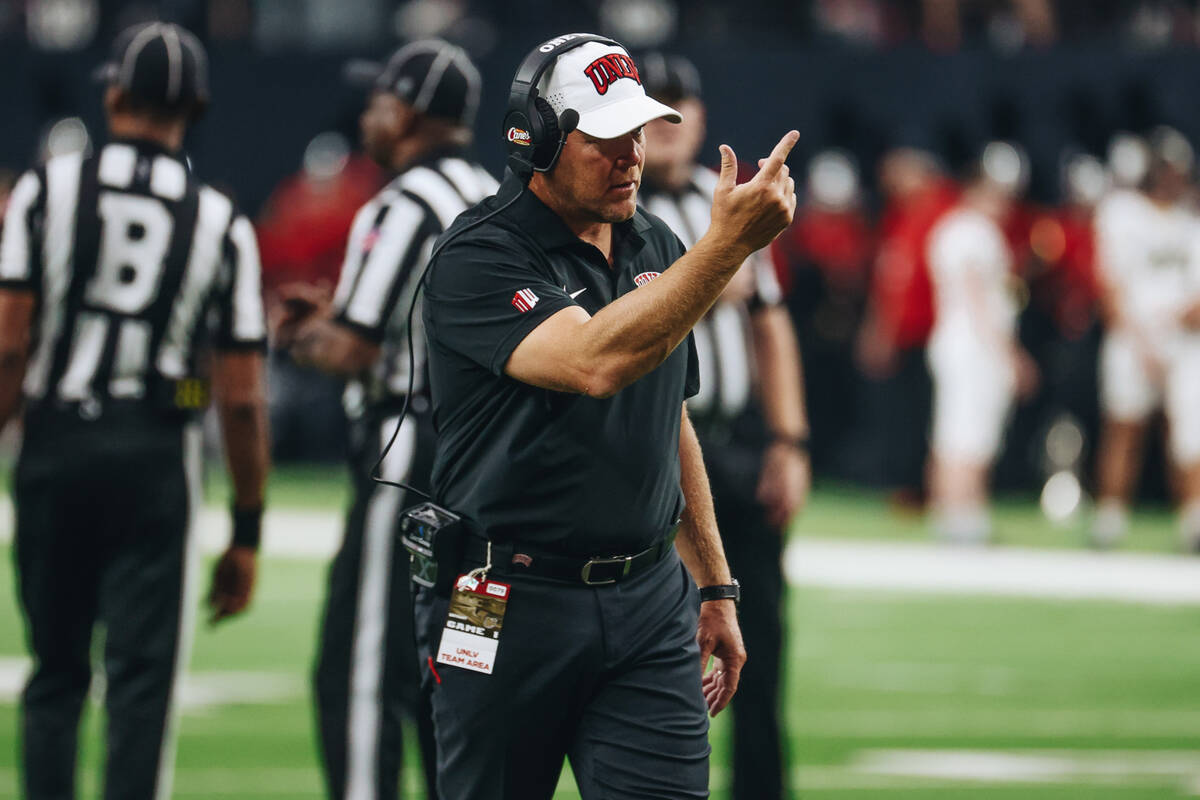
[{"x": 513, "y": 558}]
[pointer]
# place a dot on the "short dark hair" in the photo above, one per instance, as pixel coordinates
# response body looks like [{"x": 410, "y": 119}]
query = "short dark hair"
[{"x": 187, "y": 111}]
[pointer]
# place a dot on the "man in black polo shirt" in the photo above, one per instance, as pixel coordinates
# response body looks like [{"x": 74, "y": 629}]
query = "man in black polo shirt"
[{"x": 558, "y": 379}]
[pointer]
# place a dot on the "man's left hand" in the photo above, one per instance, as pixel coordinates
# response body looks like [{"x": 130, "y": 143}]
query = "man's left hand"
[
  {"x": 299, "y": 303},
  {"x": 719, "y": 636},
  {"x": 784, "y": 483},
  {"x": 232, "y": 583}
]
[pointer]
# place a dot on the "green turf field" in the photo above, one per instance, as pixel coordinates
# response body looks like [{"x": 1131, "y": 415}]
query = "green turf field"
[{"x": 889, "y": 695}]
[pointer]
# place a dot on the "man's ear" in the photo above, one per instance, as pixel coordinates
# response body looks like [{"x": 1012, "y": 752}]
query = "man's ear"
[
  {"x": 114, "y": 99},
  {"x": 406, "y": 119}
]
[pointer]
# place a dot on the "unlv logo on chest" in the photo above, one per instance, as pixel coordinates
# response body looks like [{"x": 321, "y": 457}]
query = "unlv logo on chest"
[{"x": 612, "y": 67}]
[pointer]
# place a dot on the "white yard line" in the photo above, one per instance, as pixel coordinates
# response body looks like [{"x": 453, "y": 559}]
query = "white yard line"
[
  {"x": 917, "y": 567},
  {"x": 1051, "y": 766},
  {"x": 216, "y": 782},
  {"x": 1008, "y": 571},
  {"x": 868, "y": 770},
  {"x": 949, "y": 722},
  {"x": 1030, "y": 766},
  {"x": 201, "y": 690},
  {"x": 303, "y": 533}
]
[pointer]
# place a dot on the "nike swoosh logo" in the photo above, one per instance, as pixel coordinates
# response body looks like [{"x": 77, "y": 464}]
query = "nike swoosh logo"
[{"x": 575, "y": 294}]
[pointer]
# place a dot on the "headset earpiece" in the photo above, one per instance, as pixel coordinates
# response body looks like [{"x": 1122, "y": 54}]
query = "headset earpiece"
[
  {"x": 533, "y": 133},
  {"x": 520, "y": 140},
  {"x": 549, "y": 137}
]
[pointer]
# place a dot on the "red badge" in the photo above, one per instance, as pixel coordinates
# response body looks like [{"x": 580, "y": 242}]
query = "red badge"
[
  {"x": 645, "y": 277},
  {"x": 524, "y": 300}
]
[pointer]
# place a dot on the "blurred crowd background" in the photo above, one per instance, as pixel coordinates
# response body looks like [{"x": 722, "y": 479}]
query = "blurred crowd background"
[{"x": 893, "y": 98}]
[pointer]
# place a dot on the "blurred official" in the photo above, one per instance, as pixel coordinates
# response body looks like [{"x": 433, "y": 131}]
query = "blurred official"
[
  {"x": 749, "y": 417},
  {"x": 557, "y": 318},
  {"x": 417, "y": 123},
  {"x": 1148, "y": 256},
  {"x": 119, "y": 272}
]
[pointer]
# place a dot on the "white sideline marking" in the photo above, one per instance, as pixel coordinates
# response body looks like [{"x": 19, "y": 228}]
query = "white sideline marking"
[
  {"x": 305, "y": 533},
  {"x": 1152, "y": 767},
  {"x": 1012, "y": 721},
  {"x": 201, "y": 690},
  {"x": 207, "y": 782},
  {"x": 298, "y": 533},
  {"x": 1158, "y": 579},
  {"x": 1007, "y": 571}
]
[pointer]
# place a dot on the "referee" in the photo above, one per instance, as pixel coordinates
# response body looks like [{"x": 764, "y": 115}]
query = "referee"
[
  {"x": 559, "y": 362},
  {"x": 119, "y": 272},
  {"x": 749, "y": 416},
  {"x": 418, "y": 124}
]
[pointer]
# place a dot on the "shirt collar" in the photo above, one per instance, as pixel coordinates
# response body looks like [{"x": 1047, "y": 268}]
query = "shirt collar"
[
  {"x": 437, "y": 154},
  {"x": 549, "y": 230},
  {"x": 149, "y": 147}
]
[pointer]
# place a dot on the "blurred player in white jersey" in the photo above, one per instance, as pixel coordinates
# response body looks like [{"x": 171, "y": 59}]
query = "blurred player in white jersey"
[
  {"x": 1148, "y": 255},
  {"x": 974, "y": 357}
]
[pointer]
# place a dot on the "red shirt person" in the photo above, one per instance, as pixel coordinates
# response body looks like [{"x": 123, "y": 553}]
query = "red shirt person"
[{"x": 900, "y": 305}]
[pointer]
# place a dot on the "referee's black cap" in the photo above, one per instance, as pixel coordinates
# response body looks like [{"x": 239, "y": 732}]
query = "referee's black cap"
[
  {"x": 161, "y": 65},
  {"x": 433, "y": 76},
  {"x": 669, "y": 78}
]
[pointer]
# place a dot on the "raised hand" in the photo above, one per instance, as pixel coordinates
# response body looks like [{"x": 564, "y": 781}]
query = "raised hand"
[{"x": 747, "y": 217}]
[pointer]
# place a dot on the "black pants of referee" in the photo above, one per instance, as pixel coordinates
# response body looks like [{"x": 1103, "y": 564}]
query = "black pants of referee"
[
  {"x": 754, "y": 550},
  {"x": 366, "y": 678},
  {"x": 101, "y": 537},
  {"x": 607, "y": 676}
]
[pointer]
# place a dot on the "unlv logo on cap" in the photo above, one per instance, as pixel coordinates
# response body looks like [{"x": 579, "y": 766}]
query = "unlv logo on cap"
[{"x": 612, "y": 67}]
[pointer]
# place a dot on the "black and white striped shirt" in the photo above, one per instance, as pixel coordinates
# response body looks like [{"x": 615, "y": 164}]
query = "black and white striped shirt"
[
  {"x": 136, "y": 265},
  {"x": 389, "y": 245},
  {"x": 728, "y": 373}
]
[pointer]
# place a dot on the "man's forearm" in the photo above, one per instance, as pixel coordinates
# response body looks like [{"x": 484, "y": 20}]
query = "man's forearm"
[
  {"x": 698, "y": 542},
  {"x": 244, "y": 429},
  {"x": 638, "y": 331},
  {"x": 16, "y": 320},
  {"x": 628, "y": 338},
  {"x": 239, "y": 385},
  {"x": 12, "y": 375},
  {"x": 782, "y": 372}
]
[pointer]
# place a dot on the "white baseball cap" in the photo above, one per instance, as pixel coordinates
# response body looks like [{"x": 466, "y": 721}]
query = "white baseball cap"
[{"x": 601, "y": 82}]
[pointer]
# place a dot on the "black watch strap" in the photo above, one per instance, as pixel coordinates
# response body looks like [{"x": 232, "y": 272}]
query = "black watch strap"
[
  {"x": 726, "y": 591},
  {"x": 798, "y": 443}
]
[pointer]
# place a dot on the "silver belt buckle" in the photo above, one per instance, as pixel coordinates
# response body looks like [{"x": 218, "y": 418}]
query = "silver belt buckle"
[{"x": 586, "y": 572}]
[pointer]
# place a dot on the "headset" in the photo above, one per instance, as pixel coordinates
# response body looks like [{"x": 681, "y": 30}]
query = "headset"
[
  {"x": 533, "y": 133},
  {"x": 534, "y": 137}
]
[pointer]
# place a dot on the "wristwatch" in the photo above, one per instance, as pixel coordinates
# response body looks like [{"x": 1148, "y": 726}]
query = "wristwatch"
[
  {"x": 727, "y": 591},
  {"x": 798, "y": 443}
]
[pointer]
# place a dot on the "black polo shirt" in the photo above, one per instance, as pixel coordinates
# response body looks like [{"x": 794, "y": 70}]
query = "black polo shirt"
[{"x": 570, "y": 473}]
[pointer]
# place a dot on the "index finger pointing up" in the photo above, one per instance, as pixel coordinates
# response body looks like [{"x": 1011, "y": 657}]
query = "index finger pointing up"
[{"x": 779, "y": 154}]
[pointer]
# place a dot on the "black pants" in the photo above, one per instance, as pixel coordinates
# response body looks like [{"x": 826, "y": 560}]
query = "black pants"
[
  {"x": 608, "y": 676},
  {"x": 366, "y": 677},
  {"x": 754, "y": 550},
  {"x": 101, "y": 537}
]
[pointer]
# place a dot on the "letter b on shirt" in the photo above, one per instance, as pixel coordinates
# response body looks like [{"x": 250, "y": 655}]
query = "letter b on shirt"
[{"x": 135, "y": 234}]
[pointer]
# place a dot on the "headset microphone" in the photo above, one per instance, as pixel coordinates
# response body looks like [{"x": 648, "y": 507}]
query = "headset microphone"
[{"x": 568, "y": 121}]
